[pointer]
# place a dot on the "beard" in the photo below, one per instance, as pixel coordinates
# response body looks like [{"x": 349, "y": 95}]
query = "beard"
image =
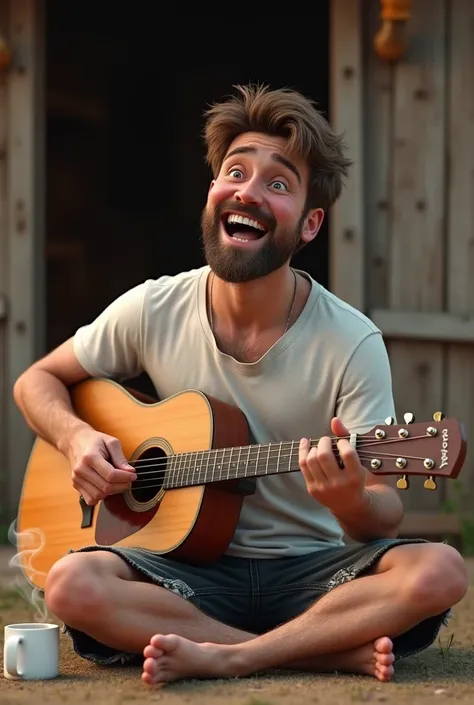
[{"x": 237, "y": 266}]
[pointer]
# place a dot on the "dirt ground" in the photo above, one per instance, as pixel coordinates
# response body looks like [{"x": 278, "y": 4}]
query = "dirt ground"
[{"x": 442, "y": 673}]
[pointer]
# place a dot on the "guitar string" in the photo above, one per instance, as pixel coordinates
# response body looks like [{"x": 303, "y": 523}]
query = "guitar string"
[
  {"x": 274, "y": 447},
  {"x": 286, "y": 461},
  {"x": 245, "y": 474},
  {"x": 236, "y": 476}
]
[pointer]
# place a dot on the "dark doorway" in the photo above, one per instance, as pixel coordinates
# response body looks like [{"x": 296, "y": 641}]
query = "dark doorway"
[{"x": 126, "y": 176}]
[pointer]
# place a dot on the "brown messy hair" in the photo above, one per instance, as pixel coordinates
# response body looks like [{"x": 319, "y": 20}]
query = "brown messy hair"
[{"x": 281, "y": 113}]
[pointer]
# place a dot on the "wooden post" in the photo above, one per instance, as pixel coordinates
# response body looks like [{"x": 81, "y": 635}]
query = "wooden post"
[
  {"x": 346, "y": 220},
  {"x": 460, "y": 245},
  {"x": 25, "y": 221},
  {"x": 4, "y": 6},
  {"x": 418, "y": 218}
]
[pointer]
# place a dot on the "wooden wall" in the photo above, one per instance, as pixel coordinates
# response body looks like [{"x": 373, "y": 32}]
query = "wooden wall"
[
  {"x": 418, "y": 146},
  {"x": 402, "y": 236},
  {"x": 21, "y": 231}
]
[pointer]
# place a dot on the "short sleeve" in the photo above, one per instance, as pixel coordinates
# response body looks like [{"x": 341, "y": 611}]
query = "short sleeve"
[
  {"x": 366, "y": 396},
  {"x": 110, "y": 346}
]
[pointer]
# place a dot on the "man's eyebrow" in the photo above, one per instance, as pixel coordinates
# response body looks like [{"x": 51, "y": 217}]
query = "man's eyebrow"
[
  {"x": 275, "y": 156},
  {"x": 289, "y": 165}
]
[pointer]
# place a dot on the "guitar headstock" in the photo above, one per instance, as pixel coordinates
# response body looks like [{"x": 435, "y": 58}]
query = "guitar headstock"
[{"x": 432, "y": 449}]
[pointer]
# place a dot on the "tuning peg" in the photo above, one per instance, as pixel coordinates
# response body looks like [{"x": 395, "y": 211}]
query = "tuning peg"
[
  {"x": 438, "y": 416},
  {"x": 430, "y": 484},
  {"x": 409, "y": 417},
  {"x": 389, "y": 420},
  {"x": 402, "y": 483}
]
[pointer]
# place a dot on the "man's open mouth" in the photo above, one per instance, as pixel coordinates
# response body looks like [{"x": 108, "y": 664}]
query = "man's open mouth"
[{"x": 242, "y": 227}]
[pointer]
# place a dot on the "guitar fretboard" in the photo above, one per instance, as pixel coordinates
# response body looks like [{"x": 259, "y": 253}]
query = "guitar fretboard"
[{"x": 202, "y": 467}]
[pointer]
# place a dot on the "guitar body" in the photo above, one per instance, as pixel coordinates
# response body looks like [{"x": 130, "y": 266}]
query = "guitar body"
[{"x": 194, "y": 523}]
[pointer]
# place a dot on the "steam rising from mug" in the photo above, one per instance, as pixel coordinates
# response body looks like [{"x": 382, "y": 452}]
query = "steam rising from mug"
[{"x": 34, "y": 538}]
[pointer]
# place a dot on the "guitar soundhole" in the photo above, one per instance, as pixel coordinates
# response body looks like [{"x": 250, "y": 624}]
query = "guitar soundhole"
[{"x": 151, "y": 471}]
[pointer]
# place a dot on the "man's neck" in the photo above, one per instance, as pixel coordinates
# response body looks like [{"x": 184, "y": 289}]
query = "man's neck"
[{"x": 257, "y": 306}]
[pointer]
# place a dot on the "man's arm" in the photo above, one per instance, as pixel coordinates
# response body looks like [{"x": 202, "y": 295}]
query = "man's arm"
[
  {"x": 41, "y": 393},
  {"x": 377, "y": 516},
  {"x": 108, "y": 347},
  {"x": 366, "y": 506}
]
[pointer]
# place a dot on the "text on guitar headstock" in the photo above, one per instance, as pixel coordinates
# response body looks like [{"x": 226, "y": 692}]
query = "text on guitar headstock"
[{"x": 432, "y": 449}]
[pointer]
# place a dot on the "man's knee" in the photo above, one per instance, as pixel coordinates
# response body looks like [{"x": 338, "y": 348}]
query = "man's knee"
[
  {"x": 76, "y": 587},
  {"x": 436, "y": 578}
]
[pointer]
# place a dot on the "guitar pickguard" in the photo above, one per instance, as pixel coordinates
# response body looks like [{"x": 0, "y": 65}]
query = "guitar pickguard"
[
  {"x": 87, "y": 513},
  {"x": 116, "y": 520}
]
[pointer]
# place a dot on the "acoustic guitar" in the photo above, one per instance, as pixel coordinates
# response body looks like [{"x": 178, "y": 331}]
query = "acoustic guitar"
[{"x": 194, "y": 465}]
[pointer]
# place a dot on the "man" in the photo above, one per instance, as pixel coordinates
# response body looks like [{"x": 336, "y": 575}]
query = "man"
[{"x": 251, "y": 331}]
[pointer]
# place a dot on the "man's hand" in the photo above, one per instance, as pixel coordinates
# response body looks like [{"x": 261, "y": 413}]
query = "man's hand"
[
  {"x": 334, "y": 487},
  {"x": 99, "y": 467}
]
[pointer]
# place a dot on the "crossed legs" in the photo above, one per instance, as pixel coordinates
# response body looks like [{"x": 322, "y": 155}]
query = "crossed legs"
[{"x": 349, "y": 629}]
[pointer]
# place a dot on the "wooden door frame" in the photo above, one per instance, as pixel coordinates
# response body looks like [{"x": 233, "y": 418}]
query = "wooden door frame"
[
  {"x": 346, "y": 228},
  {"x": 22, "y": 199},
  {"x": 22, "y": 203}
]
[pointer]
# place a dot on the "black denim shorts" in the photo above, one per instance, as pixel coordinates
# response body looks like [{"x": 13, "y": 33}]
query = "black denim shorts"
[{"x": 257, "y": 595}]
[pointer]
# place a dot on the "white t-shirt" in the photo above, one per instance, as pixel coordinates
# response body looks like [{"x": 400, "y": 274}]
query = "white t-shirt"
[{"x": 332, "y": 361}]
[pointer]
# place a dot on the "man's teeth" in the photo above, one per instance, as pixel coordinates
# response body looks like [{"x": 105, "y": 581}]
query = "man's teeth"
[{"x": 243, "y": 220}]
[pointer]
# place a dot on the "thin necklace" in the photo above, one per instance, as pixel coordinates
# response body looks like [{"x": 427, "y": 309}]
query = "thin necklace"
[{"x": 290, "y": 316}]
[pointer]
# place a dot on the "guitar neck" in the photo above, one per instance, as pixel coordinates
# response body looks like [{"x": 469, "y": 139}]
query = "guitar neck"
[{"x": 217, "y": 465}]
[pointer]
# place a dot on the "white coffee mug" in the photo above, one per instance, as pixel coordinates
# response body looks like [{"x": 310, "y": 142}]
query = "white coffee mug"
[{"x": 31, "y": 651}]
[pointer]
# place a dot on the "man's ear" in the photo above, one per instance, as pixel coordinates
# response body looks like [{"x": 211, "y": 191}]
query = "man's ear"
[{"x": 311, "y": 225}]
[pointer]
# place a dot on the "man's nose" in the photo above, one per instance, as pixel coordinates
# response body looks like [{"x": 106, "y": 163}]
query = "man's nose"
[{"x": 249, "y": 192}]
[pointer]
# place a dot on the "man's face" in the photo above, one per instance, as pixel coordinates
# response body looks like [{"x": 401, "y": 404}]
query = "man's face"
[{"x": 255, "y": 216}]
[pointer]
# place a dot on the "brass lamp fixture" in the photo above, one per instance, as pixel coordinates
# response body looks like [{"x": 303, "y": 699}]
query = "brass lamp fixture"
[{"x": 391, "y": 42}]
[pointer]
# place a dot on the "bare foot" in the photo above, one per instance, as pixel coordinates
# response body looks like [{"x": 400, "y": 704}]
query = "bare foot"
[
  {"x": 169, "y": 658},
  {"x": 373, "y": 659}
]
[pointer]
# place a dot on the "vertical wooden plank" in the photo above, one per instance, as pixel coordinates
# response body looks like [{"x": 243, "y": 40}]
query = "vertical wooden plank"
[
  {"x": 460, "y": 392},
  {"x": 378, "y": 132},
  {"x": 418, "y": 227},
  {"x": 3, "y": 264},
  {"x": 346, "y": 222},
  {"x": 25, "y": 176}
]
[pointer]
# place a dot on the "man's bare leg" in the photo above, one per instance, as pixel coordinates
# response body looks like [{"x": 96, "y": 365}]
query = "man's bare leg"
[
  {"x": 409, "y": 584},
  {"x": 100, "y": 595}
]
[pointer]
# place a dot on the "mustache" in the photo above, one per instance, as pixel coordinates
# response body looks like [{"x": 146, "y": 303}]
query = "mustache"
[{"x": 252, "y": 210}]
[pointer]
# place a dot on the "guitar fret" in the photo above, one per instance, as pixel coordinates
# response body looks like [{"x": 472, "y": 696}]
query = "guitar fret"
[
  {"x": 256, "y": 460},
  {"x": 230, "y": 464},
  {"x": 181, "y": 470},
  {"x": 190, "y": 467},
  {"x": 197, "y": 469},
  {"x": 214, "y": 466},
  {"x": 238, "y": 461},
  {"x": 268, "y": 458},
  {"x": 219, "y": 467}
]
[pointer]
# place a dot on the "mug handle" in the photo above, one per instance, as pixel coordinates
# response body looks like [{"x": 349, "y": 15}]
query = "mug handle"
[{"x": 12, "y": 645}]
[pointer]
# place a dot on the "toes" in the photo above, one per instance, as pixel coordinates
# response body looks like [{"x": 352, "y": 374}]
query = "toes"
[
  {"x": 384, "y": 673},
  {"x": 383, "y": 645},
  {"x": 384, "y": 659},
  {"x": 151, "y": 652},
  {"x": 168, "y": 642},
  {"x": 150, "y": 666}
]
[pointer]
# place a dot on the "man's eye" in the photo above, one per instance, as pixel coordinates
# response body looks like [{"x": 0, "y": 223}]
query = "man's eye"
[
  {"x": 279, "y": 186},
  {"x": 235, "y": 173}
]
